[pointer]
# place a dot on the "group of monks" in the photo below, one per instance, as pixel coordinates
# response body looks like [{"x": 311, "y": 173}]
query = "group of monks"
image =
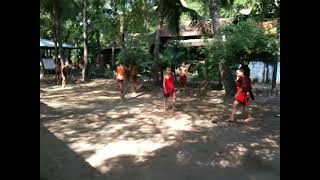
[
  {"x": 168, "y": 81},
  {"x": 243, "y": 87},
  {"x": 61, "y": 71}
]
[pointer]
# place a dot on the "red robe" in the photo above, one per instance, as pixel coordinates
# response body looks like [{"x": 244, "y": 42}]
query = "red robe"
[
  {"x": 243, "y": 83},
  {"x": 169, "y": 84}
]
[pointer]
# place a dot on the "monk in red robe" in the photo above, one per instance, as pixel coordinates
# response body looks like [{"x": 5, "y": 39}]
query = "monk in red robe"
[
  {"x": 168, "y": 85},
  {"x": 244, "y": 89},
  {"x": 64, "y": 70},
  {"x": 120, "y": 76},
  {"x": 183, "y": 70}
]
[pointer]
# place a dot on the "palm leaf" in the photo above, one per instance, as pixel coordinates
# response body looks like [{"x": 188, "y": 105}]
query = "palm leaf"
[
  {"x": 197, "y": 21},
  {"x": 171, "y": 10}
]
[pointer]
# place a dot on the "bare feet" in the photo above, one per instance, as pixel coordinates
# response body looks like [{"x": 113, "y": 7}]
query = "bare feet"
[
  {"x": 230, "y": 119},
  {"x": 249, "y": 119},
  {"x": 174, "y": 108}
]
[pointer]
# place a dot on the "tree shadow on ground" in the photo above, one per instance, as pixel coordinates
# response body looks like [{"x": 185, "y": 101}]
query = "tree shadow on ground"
[
  {"x": 200, "y": 156},
  {"x": 192, "y": 146},
  {"x": 208, "y": 154},
  {"x": 58, "y": 161}
]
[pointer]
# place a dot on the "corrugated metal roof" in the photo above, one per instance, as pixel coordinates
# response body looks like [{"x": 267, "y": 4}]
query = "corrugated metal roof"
[
  {"x": 192, "y": 42},
  {"x": 49, "y": 43}
]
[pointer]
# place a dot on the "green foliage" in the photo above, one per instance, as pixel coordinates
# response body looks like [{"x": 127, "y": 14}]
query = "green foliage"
[
  {"x": 260, "y": 9},
  {"x": 172, "y": 57},
  {"x": 97, "y": 72},
  {"x": 244, "y": 42},
  {"x": 177, "y": 53},
  {"x": 62, "y": 9},
  {"x": 46, "y": 30},
  {"x": 135, "y": 56},
  {"x": 268, "y": 9},
  {"x": 206, "y": 68},
  {"x": 233, "y": 8}
]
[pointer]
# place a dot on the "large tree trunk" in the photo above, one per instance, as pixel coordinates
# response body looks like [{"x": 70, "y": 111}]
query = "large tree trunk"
[
  {"x": 85, "y": 41},
  {"x": 225, "y": 71},
  {"x": 156, "y": 63},
  {"x": 227, "y": 79},
  {"x": 55, "y": 43},
  {"x": 214, "y": 6},
  {"x": 61, "y": 50},
  {"x": 57, "y": 25}
]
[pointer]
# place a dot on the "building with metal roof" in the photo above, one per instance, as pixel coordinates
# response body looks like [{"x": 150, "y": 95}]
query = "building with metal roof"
[{"x": 45, "y": 43}]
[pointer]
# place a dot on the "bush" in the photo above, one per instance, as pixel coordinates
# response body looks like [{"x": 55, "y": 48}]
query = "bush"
[
  {"x": 172, "y": 57},
  {"x": 136, "y": 56},
  {"x": 244, "y": 42}
]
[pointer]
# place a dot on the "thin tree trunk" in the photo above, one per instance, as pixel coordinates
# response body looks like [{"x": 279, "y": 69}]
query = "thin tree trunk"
[
  {"x": 274, "y": 75},
  {"x": 121, "y": 31},
  {"x": 264, "y": 73},
  {"x": 43, "y": 69},
  {"x": 113, "y": 6},
  {"x": 98, "y": 40},
  {"x": 113, "y": 52},
  {"x": 267, "y": 74},
  {"x": 99, "y": 58},
  {"x": 85, "y": 41},
  {"x": 220, "y": 81}
]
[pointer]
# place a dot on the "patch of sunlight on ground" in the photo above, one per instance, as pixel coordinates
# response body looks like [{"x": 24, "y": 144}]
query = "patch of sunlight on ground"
[
  {"x": 64, "y": 105},
  {"x": 272, "y": 143},
  {"x": 92, "y": 92},
  {"x": 174, "y": 124},
  {"x": 138, "y": 148},
  {"x": 215, "y": 100},
  {"x": 58, "y": 88},
  {"x": 109, "y": 129},
  {"x": 145, "y": 96}
]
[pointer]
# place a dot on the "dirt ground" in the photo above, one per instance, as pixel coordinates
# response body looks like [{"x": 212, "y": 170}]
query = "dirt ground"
[{"x": 88, "y": 132}]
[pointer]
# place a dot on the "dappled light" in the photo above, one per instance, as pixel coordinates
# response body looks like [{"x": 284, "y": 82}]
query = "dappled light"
[
  {"x": 97, "y": 125},
  {"x": 159, "y": 90}
]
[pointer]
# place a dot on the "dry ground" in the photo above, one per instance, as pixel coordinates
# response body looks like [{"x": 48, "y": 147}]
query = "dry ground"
[{"x": 87, "y": 132}]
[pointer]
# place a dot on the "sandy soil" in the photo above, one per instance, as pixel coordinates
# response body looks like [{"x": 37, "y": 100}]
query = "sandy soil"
[{"x": 87, "y": 132}]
